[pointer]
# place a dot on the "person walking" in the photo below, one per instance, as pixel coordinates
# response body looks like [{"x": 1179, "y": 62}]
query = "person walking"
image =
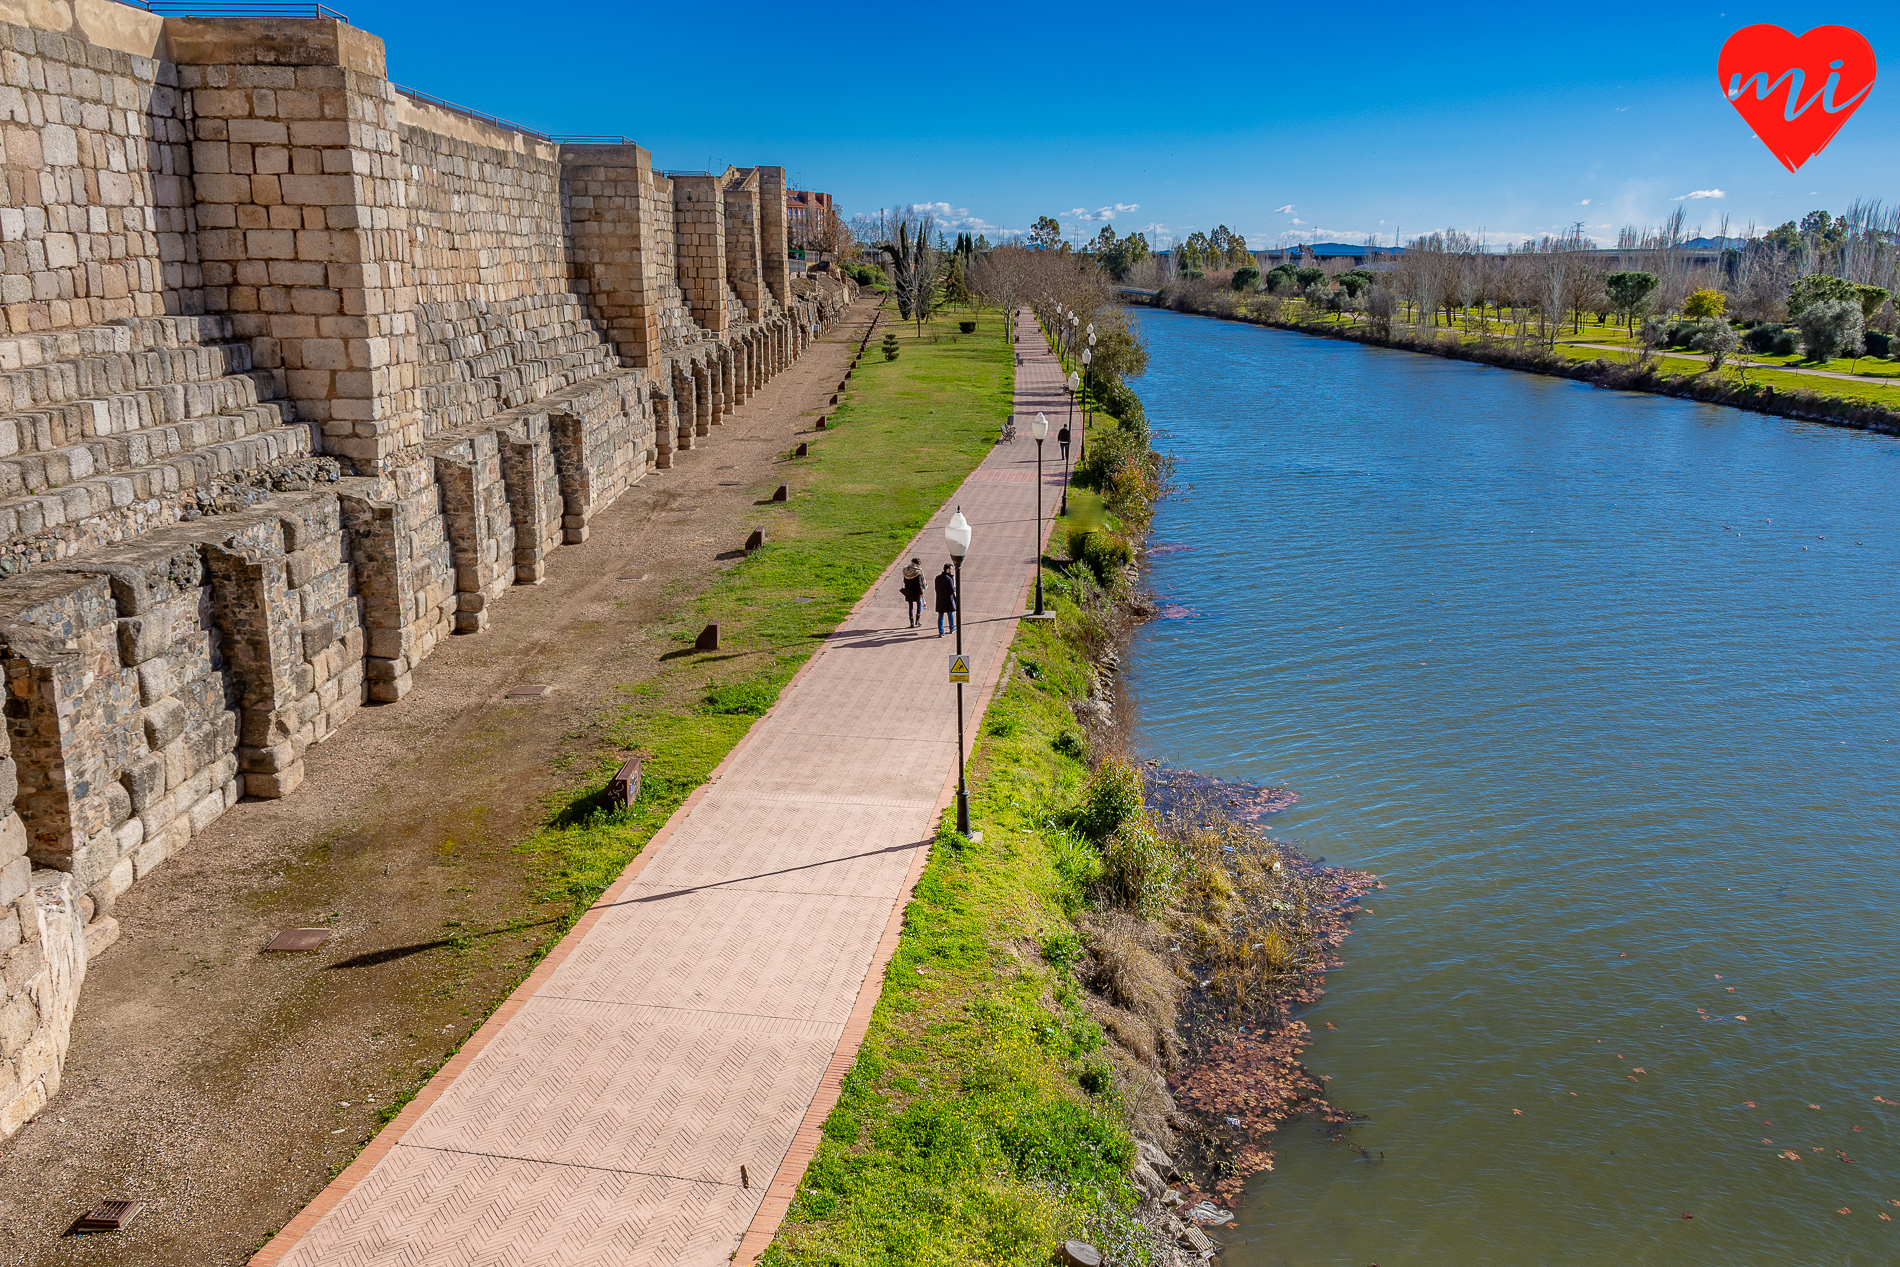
[
  {"x": 946, "y": 600},
  {"x": 1062, "y": 438},
  {"x": 914, "y": 591}
]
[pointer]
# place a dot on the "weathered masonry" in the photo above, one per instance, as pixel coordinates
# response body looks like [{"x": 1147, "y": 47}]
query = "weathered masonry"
[{"x": 300, "y": 375}]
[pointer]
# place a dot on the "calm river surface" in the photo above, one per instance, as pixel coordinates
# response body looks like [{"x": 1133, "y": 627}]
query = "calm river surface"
[{"x": 1604, "y": 687}]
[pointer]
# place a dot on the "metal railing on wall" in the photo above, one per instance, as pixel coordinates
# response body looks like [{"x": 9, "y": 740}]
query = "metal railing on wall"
[
  {"x": 235, "y": 9},
  {"x": 494, "y": 119}
]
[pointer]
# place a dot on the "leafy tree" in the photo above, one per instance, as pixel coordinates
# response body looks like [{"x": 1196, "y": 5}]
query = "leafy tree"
[
  {"x": 1125, "y": 254},
  {"x": 1871, "y": 297},
  {"x": 1197, "y": 252},
  {"x": 1831, "y": 328},
  {"x": 1787, "y": 237},
  {"x": 982, "y": 245},
  {"x": 1246, "y": 277},
  {"x": 1047, "y": 235},
  {"x": 1279, "y": 277},
  {"x": 1310, "y": 276},
  {"x": 1104, "y": 243},
  {"x": 1629, "y": 292},
  {"x": 1817, "y": 287},
  {"x": 1355, "y": 281},
  {"x": 1705, "y": 303}
]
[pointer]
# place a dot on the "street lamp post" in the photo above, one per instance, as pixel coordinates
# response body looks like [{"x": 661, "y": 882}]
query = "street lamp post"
[
  {"x": 1075, "y": 381},
  {"x": 1039, "y": 429},
  {"x": 1088, "y": 385},
  {"x": 956, "y": 535}
]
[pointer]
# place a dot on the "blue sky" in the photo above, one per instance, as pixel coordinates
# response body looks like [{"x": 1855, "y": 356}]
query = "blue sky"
[{"x": 1298, "y": 122}]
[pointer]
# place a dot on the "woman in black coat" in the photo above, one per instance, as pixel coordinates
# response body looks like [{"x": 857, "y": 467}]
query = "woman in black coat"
[
  {"x": 946, "y": 600},
  {"x": 914, "y": 591}
]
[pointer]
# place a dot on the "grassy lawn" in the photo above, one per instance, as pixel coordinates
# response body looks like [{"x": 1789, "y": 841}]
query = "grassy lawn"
[
  {"x": 980, "y": 1123},
  {"x": 904, "y": 436}
]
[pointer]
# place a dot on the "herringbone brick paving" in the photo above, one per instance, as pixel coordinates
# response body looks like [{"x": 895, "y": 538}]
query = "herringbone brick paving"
[{"x": 700, "y": 1018}]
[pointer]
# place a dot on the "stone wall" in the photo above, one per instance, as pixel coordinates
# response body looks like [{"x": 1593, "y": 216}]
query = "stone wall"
[{"x": 301, "y": 375}]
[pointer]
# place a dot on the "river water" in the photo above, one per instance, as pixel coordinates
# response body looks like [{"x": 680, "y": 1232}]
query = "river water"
[{"x": 1604, "y": 687}]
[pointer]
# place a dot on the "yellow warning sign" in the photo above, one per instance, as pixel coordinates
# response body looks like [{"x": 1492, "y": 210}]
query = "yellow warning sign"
[{"x": 959, "y": 668}]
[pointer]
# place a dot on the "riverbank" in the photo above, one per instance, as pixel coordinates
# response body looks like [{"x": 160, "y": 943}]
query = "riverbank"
[
  {"x": 1663, "y": 376},
  {"x": 1052, "y": 1056}
]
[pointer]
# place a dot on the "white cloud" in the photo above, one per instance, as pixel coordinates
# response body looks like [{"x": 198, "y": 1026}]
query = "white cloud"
[
  {"x": 954, "y": 219},
  {"x": 1284, "y": 211},
  {"x": 1296, "y": 220},
  {"x": 1101, "y": 213},
  {"x": 1694, "y": 194},
  {"x": 1584, "y": 203}
]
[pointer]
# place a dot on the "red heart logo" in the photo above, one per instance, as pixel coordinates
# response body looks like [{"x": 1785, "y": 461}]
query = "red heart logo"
[{"x": 1796, "y": 91}]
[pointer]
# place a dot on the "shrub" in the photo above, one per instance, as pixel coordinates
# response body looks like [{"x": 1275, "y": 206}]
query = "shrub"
[
  {"x": 889, "y": 346},
  {"x": 1103, "y": 553},
  {"x": 1715, "y": 339},
  {"x": 1071, "y": 745},
  {"x": 1119, "y": 399},
  {"x": 1878, "y": 344},
  {"x": 1831, "y": 328},
  {"x": 1139, "y": 868},
  {"x": 968, "y": 327},
  {"x": 1246, "y": 278},
  {"x": 1762, "y": 339},
  {"x": 1111, "y": 798}
]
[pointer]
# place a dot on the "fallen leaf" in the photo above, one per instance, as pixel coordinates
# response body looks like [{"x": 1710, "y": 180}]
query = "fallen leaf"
[
  {"x": 1843, "y": 1210},
  {"x": 1639, "y": 1071},
  {"x": 1857, "y": 1128},
  {"x": 1749, "y": 1103},
  {"x": 1741, "y": 1018},
  {"x": 1573, "y": 1093},
  {"x": 1517, "y": 1112},
  {"x": 1815, "y": 1107},
  {"x": 1765, "y": 1140}
]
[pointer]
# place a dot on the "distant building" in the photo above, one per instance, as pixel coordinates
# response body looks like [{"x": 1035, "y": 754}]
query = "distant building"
[{"x": 804, "y": 212}]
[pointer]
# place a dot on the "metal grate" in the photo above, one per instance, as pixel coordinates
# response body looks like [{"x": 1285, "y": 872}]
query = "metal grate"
[
  {"x": 299, "y": 939},
  {"x": 235, "y": 9},
  {"x": 109, "y": 1216}
]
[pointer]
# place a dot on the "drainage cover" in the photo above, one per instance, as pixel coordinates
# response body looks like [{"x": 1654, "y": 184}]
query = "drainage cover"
[
  {"x": 110, "y": 1216},
  {"x": 299, "y": 939},
  {"x": 523, "y": 692}
]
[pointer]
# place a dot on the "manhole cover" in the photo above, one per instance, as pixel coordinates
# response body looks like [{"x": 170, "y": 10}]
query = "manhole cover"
[
  {"x": 109, "y": 1216},
  {"x": 526, "y": 692},
  {"x": 299, "y": 939}
]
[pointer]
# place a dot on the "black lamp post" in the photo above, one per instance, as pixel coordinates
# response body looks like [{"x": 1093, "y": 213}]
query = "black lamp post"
[
  {"x": 956, "y": 534},
  {"x": 1088, "y": 388},
  {"x": 1075, "y": 381},
  {"x": 1039, "y": 429}
]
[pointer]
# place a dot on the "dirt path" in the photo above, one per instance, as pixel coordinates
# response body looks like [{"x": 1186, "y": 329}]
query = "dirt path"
[{"x": 223, "y": 1086}]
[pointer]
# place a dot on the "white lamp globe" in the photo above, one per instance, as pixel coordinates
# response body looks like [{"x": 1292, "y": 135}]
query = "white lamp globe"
[
  {"x": 1087, "y": 356},
  {"x": 956, "y": 535},
  {"x": 1039, "y": 428},
  {"x": 1075, "y": 380}
]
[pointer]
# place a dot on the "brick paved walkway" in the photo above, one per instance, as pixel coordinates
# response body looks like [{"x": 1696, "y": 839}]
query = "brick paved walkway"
[{"x": 653, "y": 1092}]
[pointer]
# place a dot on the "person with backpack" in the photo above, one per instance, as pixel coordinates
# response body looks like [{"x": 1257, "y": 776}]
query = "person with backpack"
[{"x": 913, "y": 590}]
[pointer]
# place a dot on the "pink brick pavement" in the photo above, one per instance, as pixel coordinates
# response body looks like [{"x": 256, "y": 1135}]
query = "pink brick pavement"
[{"x": 700, "y": 1017}]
